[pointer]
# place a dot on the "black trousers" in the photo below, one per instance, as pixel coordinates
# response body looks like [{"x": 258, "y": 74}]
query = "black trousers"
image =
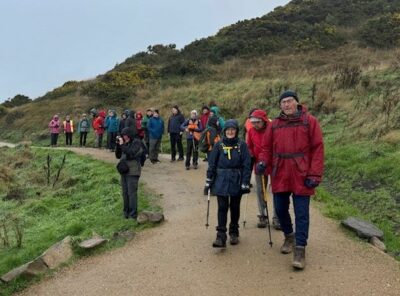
[
  {"x": 192, "y": 147},
  {"x": 68, "y": 139},
  {"x": 176, "y": 140},
  {"x": 129, "y": 194},
  {"x": 53, "y": 139},
  {"x": 225, "y": 203},
  {"x": 82, "y": 139},
  {"x": 111, "y": 139}
]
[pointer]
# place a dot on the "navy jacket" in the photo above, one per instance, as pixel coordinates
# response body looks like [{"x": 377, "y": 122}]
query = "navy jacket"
[
  {"x": 229, "y": 174},
  {"x": 174, "y": 123}
]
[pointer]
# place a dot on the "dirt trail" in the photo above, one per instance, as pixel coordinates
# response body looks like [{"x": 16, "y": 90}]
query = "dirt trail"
[{"x": 177, "y": 258}]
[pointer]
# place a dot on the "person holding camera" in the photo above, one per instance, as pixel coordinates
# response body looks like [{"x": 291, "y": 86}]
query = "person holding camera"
[
  {"x": 229, "y": 171},
  {"x": 129, "y": 151}
]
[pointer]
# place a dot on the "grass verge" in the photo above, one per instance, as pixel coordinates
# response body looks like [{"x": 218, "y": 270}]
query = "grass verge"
[{"x": 86, "y": 198}]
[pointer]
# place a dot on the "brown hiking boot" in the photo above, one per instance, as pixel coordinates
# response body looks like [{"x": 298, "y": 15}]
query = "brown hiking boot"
[
  {"x": 276, "y": 224},
  {"x": 299, "y": 257},
  {"x": 263, "y": 222},
  {"x": 288, "y": 244}
]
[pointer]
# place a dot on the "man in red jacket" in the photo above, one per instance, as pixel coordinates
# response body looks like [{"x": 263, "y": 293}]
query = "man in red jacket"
[
  {"x": 255, "y": 135},
  {"x": 293, "y": 153}
]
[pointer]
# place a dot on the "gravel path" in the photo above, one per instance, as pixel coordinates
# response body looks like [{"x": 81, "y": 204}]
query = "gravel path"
[{"x": 176, "y": 258}]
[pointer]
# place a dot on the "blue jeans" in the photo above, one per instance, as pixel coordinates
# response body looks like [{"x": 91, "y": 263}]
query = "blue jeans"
[{"x": 301, "y": 205}]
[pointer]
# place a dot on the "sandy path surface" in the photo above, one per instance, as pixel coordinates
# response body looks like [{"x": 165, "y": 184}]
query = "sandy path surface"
[{"x": 176, "y": 258}]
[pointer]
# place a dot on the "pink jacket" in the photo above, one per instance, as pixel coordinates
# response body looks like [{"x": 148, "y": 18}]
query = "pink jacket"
[{"x": 54, "y": 125}]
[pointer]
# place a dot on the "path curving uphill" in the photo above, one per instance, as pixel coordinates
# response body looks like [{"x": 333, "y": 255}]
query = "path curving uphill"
[{"x": 176, "y": 258}]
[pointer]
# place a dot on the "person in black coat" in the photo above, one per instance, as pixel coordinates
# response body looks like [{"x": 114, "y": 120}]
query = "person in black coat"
[
  {"x": 129, "y": 150},
  {"x": 229, "y": 171},
  {"x": 175, "y": 134}
]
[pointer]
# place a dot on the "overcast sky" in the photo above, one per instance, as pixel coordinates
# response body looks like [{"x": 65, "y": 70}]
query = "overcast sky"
[{"x": 44, "y": 43}]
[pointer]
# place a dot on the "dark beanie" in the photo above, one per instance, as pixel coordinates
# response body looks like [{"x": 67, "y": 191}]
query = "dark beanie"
[{"x": 288, "y": 93}]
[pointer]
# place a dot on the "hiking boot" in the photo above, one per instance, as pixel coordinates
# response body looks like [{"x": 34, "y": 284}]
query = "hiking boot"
[
  {"x": 263, "y": 222},
  {"x": 181, "y": 159},
  {"x": 234, "y": 239},
  {"x": 275, "y": 223},
  {"x": 188, "y": 168},
  {"x": 195, "y": 166},
  {"x": 220, "y": 241},
  {"x": 299, "y": 257},
  {"x": 172, "y": 160},
  {"x": 288, "y": 244}
]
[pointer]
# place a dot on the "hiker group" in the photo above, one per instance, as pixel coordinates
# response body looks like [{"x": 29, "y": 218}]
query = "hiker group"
[
  {"x": 285, "y": 154},
  {"x": 289, "y": 150}
]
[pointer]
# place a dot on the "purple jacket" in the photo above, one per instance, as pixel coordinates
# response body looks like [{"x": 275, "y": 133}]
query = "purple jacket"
[{"x": 54, "y": 125}]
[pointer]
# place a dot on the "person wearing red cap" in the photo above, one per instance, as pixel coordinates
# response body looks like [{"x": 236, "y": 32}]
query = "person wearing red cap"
[
  {"x": 293, "y": 154},
  {"x": 255, "y": 135}
]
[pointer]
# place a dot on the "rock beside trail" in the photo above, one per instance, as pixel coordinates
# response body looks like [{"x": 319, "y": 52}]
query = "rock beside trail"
[
  {"x": 127, "y": 234},
  {"x": 377, "y": 243},
  {"x": 363, "y": 228},
  {"x": 27, "y": 270},
  {"x": 59, "y": 253},
  {"x": 92, "y": 243},
  {"x": 147, "y": 216}
]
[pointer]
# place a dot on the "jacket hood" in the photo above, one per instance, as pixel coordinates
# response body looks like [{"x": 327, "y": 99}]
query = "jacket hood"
[
  {"x": 139, "y": 115},
  {"x": 261, "y": 114},
  {"x": 128, "y": 131},
  {"x": 102, "y": 114},
  {"x": 55, "y": 117},
  {"x": 231, "y": 123},
  {"x": 215, "y": 110}
]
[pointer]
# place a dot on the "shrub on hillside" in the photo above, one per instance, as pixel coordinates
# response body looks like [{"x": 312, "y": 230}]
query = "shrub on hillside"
[
  {"x": 3, "y": 110},
  {"x": 381, "y": 32},
  {"x": 67, "y": 88},
  {"x": 18, "y": 100}
]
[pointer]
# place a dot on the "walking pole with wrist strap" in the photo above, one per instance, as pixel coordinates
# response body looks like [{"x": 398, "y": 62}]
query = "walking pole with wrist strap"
[
  {"x": 245, "y": 211},
  {"x": 264, "y": 187},
  {"x": 208, "y": 206}
]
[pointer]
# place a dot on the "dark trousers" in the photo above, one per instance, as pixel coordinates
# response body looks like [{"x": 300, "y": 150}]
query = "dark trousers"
[
  {"x": 225, "y": 203},
  {"x": 53, "y": 139},
  {"x": 147, "y": 140},
  {"x": 192, "y": 148},
  {"x": 68, "y": 139},
  {"x": 82, "y": 139},
  {"x": 176, "y": 140},
  {"x": 111, "y": 139},
  {"x": 154, "y": 149},
  {"x": 129, "y": 194},
  {"x": 301, "y": 205}
]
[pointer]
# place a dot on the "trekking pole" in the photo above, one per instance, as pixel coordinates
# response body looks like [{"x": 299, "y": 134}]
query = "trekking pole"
[
  {"x": 266, "y": 207},
  {"x": 208, "y": 207},
  {"x": 245, "y": 211}
]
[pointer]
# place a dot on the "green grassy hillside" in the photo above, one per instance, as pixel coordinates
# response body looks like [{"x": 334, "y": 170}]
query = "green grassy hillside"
[{"x": 342, "y": 57}]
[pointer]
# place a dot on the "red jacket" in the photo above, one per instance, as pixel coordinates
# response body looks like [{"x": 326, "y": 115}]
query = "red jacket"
[
  {"x": 140, "y": 130},
  {"x": 293, "y": 150},
  {"x": 254, "y": 138},
  {"x": 98, "y": 123},
  {"x": 204, "y": 119}
]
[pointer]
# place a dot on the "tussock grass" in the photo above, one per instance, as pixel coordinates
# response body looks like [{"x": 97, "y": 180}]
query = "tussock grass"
[{"x": 86, "y": 199}]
